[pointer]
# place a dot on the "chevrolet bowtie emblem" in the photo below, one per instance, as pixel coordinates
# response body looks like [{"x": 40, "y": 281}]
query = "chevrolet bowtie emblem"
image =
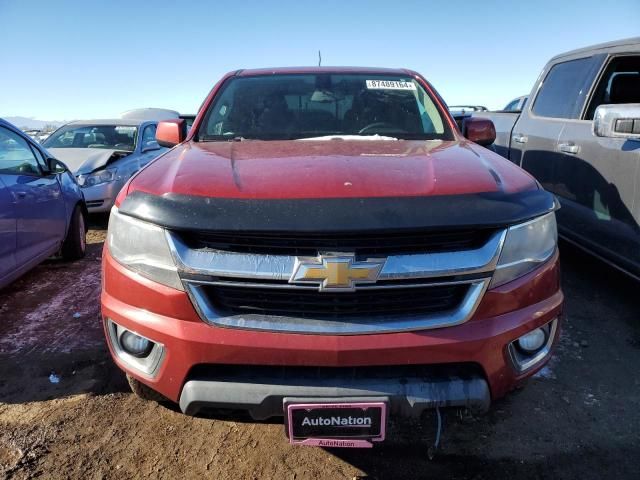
[{"x": 336, "y": 272}]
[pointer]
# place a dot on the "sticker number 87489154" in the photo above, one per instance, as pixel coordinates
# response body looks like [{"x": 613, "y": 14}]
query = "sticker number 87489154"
[{"x": 390, "y": 85}]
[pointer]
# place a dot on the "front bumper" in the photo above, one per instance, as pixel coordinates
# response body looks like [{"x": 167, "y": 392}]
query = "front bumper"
[
  {"x": 100, "y": 198},
  {"x": 167, "y": 316},
  {"x": 263, "y": 395}
]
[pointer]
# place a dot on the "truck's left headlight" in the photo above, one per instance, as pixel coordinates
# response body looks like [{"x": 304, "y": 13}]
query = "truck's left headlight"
[
  {"x": 143, "y": 248},
  {"x": 526, "y": 246}
]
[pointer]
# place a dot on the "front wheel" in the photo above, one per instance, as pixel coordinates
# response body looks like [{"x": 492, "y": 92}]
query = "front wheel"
[{"x": 75, "y": 245}]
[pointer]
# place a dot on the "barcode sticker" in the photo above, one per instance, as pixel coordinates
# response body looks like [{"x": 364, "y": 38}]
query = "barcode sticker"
[{"x": 390, "y": 85}]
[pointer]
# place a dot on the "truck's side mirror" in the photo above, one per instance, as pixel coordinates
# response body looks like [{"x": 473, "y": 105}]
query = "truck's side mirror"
[
  {"x": 479, "y": 130},
  {"x": 621, "y": 121},
  {"x": 171, "y": 132}
]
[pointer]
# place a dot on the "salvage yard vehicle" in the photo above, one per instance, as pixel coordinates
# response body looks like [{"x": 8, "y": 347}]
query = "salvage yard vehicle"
[
  {"x": 104, "y": 154},
  {"x": 326, "y": 246},
  {"x": 580, "y": 137},
  {"x": 42, "y": 210}
]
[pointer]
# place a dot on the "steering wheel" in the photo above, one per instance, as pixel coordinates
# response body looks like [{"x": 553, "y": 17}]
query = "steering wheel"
[{"x": 379, "y": 125}]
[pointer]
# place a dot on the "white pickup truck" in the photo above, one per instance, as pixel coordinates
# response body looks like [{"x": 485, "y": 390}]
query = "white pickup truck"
[{"x": 579, "y": 135}]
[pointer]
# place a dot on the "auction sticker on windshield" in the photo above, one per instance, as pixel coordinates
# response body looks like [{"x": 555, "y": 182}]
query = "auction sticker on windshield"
[{"x": 390, "y": 85}]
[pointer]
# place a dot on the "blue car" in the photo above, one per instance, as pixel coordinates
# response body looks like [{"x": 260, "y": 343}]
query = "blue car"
[
  {"x": 42, "y": 209},
  {"x": 104, "y": 154}
]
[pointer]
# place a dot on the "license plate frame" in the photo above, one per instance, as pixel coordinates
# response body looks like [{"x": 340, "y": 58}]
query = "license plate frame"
[{"x": 361, "y": 435}]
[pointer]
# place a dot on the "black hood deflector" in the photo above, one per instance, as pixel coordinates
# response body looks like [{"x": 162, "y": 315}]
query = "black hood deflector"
[{"x": 372, "y": 214}]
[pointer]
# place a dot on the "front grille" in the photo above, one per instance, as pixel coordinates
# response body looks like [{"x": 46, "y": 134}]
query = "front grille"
[
  {"x": 302, "y": 303},
  {"x": 94, "y": 203},
  {"x": 309, "y": 244},
  {"x": 240, "y": 280}
]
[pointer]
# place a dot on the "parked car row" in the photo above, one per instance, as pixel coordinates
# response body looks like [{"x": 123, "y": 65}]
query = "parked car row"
[
  {"x": 38, "y": 135},
  {"x": 47, "y": 190}
]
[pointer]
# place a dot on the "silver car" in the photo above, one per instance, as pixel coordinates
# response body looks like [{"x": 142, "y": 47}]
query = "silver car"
[{"x": 104, "y": 154}]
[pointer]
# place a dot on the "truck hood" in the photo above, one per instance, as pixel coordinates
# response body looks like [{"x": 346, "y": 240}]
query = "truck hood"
[
  {"x": 332, "y": 186},
  {"x": 330, "y": 169},
  {"x": 86, "y": 160}
]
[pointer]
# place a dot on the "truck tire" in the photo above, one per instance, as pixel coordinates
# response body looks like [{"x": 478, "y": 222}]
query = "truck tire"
[
  {"x": 144, "y": 392},
  {"x": 75, "y": 244}
]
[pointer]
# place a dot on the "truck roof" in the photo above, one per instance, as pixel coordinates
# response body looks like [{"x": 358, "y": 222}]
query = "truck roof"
[
  {"x": 288, "y": 70},
  {"x": 634, "y": 41}
]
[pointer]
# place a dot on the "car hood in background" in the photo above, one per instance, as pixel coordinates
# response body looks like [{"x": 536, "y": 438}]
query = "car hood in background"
[{"x": 85, "y": 160}]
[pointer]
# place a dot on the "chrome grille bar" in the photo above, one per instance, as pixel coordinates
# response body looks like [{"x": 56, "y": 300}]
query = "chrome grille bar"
[{"x": 220, "y": 263}]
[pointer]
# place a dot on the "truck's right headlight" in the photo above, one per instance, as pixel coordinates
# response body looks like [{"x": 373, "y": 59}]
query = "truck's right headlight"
[
  {"x": 526, "y": 247},
  {"x": 143, "y": 248}
]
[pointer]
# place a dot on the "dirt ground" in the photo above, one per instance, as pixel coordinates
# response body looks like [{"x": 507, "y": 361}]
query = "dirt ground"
[{"x": 66, "y": 411}]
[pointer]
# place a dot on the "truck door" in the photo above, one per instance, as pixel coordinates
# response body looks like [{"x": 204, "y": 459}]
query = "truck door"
[
  {"x": 7, "y": 226},
  {"x": 601, "y": 176},
  {"x": 561, "y": 90}
]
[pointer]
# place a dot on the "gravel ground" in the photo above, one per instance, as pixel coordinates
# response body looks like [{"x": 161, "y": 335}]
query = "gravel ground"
[{"x": 66, "y": 411}]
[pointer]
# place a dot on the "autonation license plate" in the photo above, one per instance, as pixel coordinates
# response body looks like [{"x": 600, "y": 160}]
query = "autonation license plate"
[{"x": 350, "y": 425}]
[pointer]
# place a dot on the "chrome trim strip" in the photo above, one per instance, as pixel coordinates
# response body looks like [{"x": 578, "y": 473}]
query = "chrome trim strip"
[
  {"x": 347, "y": 326},
  {"x": 288, "y": 286},
  {"x": 219, "y": 263},
  {"x": 429, "y": 265}
]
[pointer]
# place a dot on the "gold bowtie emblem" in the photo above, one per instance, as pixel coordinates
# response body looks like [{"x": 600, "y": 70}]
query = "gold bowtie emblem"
[{"x": 335, "y": 272}]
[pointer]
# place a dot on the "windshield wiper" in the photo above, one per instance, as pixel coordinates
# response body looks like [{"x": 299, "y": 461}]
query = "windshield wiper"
[
  {"x": 350, "y": 137},
  {"x": 223, "y": 138}
]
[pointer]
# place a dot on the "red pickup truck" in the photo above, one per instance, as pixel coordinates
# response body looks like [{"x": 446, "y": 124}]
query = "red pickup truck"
[{"x": 326, "y": 245}]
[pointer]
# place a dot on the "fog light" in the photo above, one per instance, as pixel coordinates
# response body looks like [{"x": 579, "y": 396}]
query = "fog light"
[
  {"x": 532, "y": 341},
  {"x": 134, "y": 350},
  {"x": 135, "y": 344},
  {"x": 534, "y": 347}
]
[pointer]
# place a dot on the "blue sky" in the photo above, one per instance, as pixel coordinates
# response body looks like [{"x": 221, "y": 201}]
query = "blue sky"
[{"x": 81, "y": 59}]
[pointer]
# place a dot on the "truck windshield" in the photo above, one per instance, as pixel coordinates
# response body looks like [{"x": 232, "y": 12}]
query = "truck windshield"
[
  {"x": 298, "y": 106},
  {"x": 116, "y": 137}
]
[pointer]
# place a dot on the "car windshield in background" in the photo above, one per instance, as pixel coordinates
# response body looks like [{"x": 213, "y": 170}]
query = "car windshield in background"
[
  {"x": 115, "y": 137},
  {"x": 297, "y": 106}
]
